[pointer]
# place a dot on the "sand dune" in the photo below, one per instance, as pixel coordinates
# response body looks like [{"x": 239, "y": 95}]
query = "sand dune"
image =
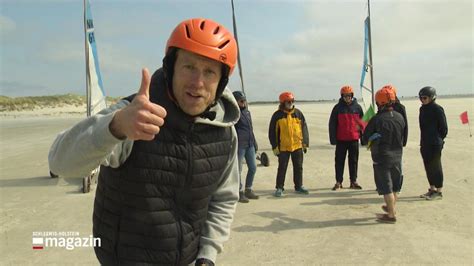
[{"x": 324, "y": 227}]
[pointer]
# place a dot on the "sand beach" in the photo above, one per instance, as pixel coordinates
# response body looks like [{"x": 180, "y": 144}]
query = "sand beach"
[{"x": 323, "y": 228}]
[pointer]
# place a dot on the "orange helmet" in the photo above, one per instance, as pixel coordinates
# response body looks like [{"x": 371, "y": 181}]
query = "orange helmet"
[
  {"x": 286, "y": 96},
  {"x": 391, "y": 87},
  {"x": 347, "y": 90},
  {"x": 207, "y": 38},
  {"x": 384, "y": 96}
]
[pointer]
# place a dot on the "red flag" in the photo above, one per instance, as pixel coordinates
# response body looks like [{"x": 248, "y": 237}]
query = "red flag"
[{"x": 464, "y": 118}]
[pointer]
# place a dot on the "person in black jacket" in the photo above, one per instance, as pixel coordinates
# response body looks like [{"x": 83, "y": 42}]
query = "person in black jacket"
[
  {"x": 384, "y": 135},
  {"x": 400, "y": 108},
  {"x": 345, "y": 130},
  {"x": 433, "y": 129},
  {"x": 247, "y": 148},
  {"x": 168, "y": 184}
]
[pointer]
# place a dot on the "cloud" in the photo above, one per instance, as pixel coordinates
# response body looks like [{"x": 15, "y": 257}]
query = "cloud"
[
  {"x": 413, "y": 43},
  {"x": 7, "y": 25}
]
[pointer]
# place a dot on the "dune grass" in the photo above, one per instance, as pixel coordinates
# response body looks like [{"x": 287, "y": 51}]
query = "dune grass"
[{"x": 38, "y": 102}]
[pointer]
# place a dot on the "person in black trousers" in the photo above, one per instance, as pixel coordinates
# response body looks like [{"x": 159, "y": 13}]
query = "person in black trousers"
[
  {"x": 433, "y": 129},
  {"x": 345, "y": 129}
]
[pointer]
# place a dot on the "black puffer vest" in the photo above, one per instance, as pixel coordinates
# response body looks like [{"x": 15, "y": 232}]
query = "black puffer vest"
[{"x": 150, "y": 210}]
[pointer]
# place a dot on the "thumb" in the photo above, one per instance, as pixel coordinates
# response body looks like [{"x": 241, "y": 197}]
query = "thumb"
[{"x": 145, "y": 85}]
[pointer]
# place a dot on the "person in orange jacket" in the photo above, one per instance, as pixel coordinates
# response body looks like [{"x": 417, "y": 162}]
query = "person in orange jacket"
[{"x": 289, "y": 137}]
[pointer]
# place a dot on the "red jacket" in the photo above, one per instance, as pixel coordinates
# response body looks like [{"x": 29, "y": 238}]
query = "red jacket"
[{"x": 345, "y": 123}]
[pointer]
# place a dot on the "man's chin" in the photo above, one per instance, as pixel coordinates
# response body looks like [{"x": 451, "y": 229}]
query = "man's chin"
[{"x": 193, "y": 110}]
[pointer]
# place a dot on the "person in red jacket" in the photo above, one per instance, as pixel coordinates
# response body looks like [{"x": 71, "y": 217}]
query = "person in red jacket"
[{"x": 345, "y": 128}]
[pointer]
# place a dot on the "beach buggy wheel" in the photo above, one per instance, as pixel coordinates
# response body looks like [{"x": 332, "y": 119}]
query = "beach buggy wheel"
[
  {"x": 86, "y": 184},
  {"x": 52, "y": 175},
  {"x": 264, "y": 159}
]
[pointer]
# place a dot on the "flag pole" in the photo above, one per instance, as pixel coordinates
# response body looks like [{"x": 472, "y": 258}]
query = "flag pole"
[
  {"x": 469, "y": 126},
  {"x": 371, "y": 64}
]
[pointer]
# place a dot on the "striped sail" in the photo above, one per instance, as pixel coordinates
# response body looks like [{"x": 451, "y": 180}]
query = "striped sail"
[
  {"x": 366, "y": 76},
  {"x": 94, "y": 87}
]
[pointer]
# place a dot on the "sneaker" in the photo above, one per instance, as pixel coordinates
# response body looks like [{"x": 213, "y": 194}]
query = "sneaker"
[
  {"x": 249, "y": 194},
  {"x": 354, "y": 185},
  {"x": 279, "y": 192},
  {"x": 337, "y": 186},
  {"x": 242, "y": 198},
  {"x": 427, "y": 194},
  {"x": 435, "y": 196},
  {"x": 302, "y": 190}
]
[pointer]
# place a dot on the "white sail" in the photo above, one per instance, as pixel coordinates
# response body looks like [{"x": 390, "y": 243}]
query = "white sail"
[{"x": 94, "y": 88}]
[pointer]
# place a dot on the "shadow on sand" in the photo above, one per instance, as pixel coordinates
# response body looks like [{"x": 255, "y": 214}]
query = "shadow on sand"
[{"x": 281, "y": 222}]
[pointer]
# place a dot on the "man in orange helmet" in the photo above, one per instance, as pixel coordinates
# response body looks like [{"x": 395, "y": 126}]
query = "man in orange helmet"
[
  {"x": 345, "y": 130},
  {"x": 384, "y": 133},
  {"x": 400, "y": 108},
  {"x": 289, "y": 137},
  {"x": 169, "y": 177}
]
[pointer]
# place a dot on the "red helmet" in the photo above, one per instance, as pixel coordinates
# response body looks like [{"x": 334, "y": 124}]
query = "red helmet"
[
  {"x": 207, "y": 38},
  {"x": 286, "y": 96},
  {"x": 390, "y": 87},
  {"x": 384, "y": 96},
  {"x": 347, "y": 90}
]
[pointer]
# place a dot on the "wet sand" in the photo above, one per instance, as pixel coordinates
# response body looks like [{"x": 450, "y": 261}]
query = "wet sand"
[{"x": 324, "y": 227}]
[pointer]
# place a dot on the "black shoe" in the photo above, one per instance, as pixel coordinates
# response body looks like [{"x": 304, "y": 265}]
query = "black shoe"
[
  {"x": 337, "y": 186},
  {"x": 249, "y": 194},
  {"x": 427, "y": 194},
  {"x": 242, "y": 198},
  {"x": 354, "y": 185}
]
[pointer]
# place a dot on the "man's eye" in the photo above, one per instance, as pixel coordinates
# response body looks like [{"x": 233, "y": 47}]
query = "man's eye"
[{"x": 210, "y": 72}]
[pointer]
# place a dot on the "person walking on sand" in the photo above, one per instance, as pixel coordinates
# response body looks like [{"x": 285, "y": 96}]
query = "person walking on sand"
[
  {"x": 384, "y": 135},
  {"x": 345, "y": 130},
  {"x": 289, "y": 137},
  {"x": 433, "y": 131},
  {"x": 168, "y": 184},
  {"x": 247, "y": 148}
]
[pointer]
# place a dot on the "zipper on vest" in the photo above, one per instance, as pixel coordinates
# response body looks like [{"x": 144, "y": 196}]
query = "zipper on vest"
[
  {"x": 189, "y": 148},
  {"x": 180, "y": 238},
  {"x": 187, "y": 181}
]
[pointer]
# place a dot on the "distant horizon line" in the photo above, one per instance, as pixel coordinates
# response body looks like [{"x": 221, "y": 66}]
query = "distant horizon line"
[{"x": 250, "y": 102}]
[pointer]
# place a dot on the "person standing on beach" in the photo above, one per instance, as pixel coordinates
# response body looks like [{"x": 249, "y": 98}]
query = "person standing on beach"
[
  {"x": 384, "y": 135},
  {"x": 247, "y": 148},
  {"x": 433, "y": 131},
  {"x": 400, "y": 108},
  {"x": 168, "y": 184},
  {"x": 289, "y": 137},
  {"x": 345, "y": 130}
]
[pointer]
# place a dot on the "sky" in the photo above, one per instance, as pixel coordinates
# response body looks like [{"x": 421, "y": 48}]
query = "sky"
[{"x": 311, "y": 48}]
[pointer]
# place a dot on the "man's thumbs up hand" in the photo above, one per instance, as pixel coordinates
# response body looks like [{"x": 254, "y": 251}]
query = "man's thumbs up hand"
[{"x": 141, "y": 119}]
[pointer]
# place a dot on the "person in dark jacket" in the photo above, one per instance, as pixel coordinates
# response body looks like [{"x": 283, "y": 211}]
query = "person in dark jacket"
[
  {"x": 289, "y": 137},
  {"x": 400, "y": 108},
  {"x": 384, "y": 135},
  {"x": 433, "y": 130},
  {"x": 247, "y": 148},
  {"x": 168, "y": 183},
  {"x": 345, "y": 130}
]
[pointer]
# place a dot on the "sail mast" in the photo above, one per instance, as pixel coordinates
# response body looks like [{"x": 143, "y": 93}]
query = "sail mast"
[
  {"x": 371, "y": 63},
  {"x": 86, "y": 53},
  {"x": 238, "y": 47}
]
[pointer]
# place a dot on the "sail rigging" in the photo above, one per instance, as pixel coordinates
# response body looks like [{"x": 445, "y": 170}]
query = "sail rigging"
[
  {"x": 94, "y": 88},
  {"x": 234, "y": 24}
]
